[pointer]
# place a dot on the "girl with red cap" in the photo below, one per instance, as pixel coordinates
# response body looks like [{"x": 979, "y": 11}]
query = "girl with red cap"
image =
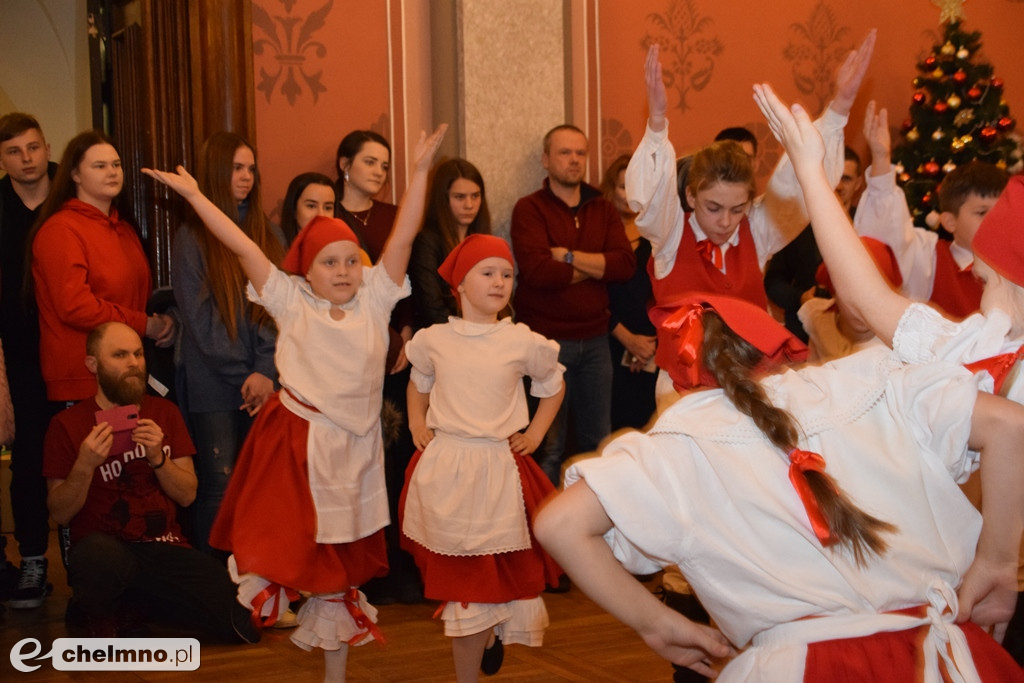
[
  {"x": 989, "y": 342},
  {"x": 472, "y": 488},
  {"x": 815, "y": 511},
  {"x": 306, "y": 506}
]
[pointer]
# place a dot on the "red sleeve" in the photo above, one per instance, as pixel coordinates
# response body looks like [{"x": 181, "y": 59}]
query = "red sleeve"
[
  {"x": 60, "y": 267},
  {"x": 531, "y": 245}
]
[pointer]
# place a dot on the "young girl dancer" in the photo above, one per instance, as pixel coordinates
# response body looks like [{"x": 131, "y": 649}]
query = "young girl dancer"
[
  {"x": 815, "y": 512},
  {"x": 306, "y": 507},
  {"x": 471, "y": 490}
]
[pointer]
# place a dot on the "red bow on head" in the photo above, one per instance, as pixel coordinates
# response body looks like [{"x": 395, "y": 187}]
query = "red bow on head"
[
  {"x": 800, "y": 462},
  {"x": 686, "y": 327}
]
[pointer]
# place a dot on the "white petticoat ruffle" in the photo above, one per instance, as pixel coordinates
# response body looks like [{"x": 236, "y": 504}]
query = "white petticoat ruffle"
[
  {"x": 251, "y": 585},
  {"x": 519, "y": 622},
  {"x": 329, "y": 625}
]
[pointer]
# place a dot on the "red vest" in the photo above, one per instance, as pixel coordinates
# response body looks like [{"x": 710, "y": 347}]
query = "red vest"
[
  {"x": 957, "y": 292},
  {"x": 742, "y": 279}
]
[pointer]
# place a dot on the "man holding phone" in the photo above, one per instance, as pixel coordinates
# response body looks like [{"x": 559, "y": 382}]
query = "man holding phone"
[{"x": 117, "y": 467}]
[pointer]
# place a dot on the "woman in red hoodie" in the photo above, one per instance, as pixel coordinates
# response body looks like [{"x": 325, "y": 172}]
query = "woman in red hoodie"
[{"x": 88, "y": 266}]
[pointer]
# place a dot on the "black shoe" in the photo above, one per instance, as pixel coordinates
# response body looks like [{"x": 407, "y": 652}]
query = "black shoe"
[
  {"x": 245, "y": 629},
  {"x": 33, "y": 588},
  {"x": 493, "y": 657},
  {"x": 562, "y": 586}
]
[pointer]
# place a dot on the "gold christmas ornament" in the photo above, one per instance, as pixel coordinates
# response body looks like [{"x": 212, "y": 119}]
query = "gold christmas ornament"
[
  {"x": 962, "y": 53},
  {"x": 953, "y": 101},
  {"x": 957, "y": 144},
  {"x": 951, "y": 10},
  {"x": 938, "y": 134},
  {"x": 964, "y": 117},
  {"x": 948, "y": 167},
  {"x": 913, "y": 135},
  {"x": 938, "y": 73}
]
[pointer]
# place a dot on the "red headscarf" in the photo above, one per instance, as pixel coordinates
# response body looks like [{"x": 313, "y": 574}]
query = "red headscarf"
[
  {"x": 317, "y": 234},
  {"x": 884, "y": 259},
  {"x": 681, "y": 335},
  {"x": 468, "y": 253},
  {"x": 1000, "y": 238}
]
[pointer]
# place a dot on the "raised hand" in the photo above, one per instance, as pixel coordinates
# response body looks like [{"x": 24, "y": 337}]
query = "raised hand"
[
  {"x": 657, "y": 98},
  {"x": 181, "y": 182},
  {"x": 793, "y": 128},
  {"x": 876, "y": 133},
  {"x": 427, "y": 146},
  {"x": 851, "y": 74}
]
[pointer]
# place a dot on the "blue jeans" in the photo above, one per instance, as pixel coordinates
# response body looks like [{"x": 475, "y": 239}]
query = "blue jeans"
[
  {"x": 588, "y": 395},
  {"x": 218, "y": 437}
]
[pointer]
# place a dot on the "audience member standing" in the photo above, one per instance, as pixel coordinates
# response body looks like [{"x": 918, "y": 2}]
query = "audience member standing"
[
  {"x": 226, "y": 366},
  {"x": 569, "y": 243},
  {"x": 25, "y": 158},
  {"x": 456, "y": 208}
]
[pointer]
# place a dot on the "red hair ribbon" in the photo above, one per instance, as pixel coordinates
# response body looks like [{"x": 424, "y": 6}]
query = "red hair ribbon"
[
  {"x": 998, "y": 366},
  {"x": 351, "y": 602},
  {"x": 800, "y": 462},
  {"x": 687, "y": 324},
  {"x": 273, "y": 591}
]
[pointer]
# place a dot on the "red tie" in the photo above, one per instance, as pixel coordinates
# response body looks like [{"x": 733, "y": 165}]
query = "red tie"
[{"x": 711, "y": 252}]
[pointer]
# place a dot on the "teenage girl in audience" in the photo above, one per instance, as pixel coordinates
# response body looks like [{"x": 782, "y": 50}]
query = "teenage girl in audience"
[
  {"x": 309, "y": 195},
  {"x": 307, "y": 507},
  {"x": 472, "y": 489},
  {"x": 88, "y": 266},
  {"x": 632, "y": 337},
  {"x": 456, "y": 207},
  {"x": 816, "y": 513},
  {"x": 226, "y": 367}
]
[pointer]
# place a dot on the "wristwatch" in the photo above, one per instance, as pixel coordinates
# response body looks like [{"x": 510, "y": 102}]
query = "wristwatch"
[{"x": 568, "y": 258}]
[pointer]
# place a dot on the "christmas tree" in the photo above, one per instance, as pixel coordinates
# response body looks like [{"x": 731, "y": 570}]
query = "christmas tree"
[{"x": 957, "y": 114}]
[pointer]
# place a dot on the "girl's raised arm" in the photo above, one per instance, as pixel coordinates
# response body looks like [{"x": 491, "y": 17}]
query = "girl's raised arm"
[
  {"x": 851, "y": 269},
  {"x": 254, "y": 262},
  {"x": 398, "y": 249}
]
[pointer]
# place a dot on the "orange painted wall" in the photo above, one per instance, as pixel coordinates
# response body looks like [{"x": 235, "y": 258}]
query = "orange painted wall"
[
  {"x": 725, "y": 49},
  {"x": 358, "y": 50}
]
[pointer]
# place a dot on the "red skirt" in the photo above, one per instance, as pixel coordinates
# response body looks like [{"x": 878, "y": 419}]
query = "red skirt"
[
  {"x": 267, "y": 518},
  {"x": 517, "y": 575},
  {"x": 899, "y": 656}
]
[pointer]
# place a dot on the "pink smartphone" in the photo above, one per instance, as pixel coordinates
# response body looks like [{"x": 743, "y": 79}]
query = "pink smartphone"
[{"x": 122, "y": 419}]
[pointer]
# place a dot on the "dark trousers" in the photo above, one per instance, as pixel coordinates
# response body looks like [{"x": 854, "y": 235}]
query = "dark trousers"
[{"x": 172, "y": 583}]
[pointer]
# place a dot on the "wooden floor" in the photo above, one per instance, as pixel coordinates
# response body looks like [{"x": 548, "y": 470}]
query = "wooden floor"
[{"x": 582, "y": 644}]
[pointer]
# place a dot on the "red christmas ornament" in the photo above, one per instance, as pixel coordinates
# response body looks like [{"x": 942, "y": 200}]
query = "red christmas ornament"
[
  {"x": 988, "y": 133},
  {"x": 926, "y": 199},
  {"x": 1005, "y": 124},
  {"x": 931, "y": 168},
  {"x": 940, "y": 107},
  {"x": 997, "y": 83},
  {"x": 974, "y": 93},
  {"x": 907, "y": 125},
  {"x": 929, "y": 62},
  {"x": 959, "y": 77},
  {"x": 919, "y": 97},
  {"x": 904, "y": 177}
]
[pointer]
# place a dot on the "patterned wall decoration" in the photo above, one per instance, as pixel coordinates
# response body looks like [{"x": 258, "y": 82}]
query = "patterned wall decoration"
[
  {"x": 616, "y": 140},
  {"x": 819, "y": 46},
  {"x": 285, "y": 52},
  {"x": 689, "y": 47}
]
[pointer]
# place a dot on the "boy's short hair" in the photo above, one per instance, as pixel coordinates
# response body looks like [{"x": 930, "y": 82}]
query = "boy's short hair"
[
  {"x": 849, "y": 154},
  {"x": 738, "y": 134},
  {"x": 16, "y": 123},
  {"x": 974, "y": 177}
]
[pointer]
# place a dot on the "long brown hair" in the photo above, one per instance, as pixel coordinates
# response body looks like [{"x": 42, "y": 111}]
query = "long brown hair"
[
  {"x": 438, "y": 218},
  {"x": 62, "y": 188},
  {"x": 732, "y": 360},
  {"x": 224, "y": 276}
]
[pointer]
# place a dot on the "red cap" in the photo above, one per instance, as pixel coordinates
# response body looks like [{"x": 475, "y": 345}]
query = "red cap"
[
  {"x": 468, "y": 253},
  {"x": 681, "y": 336},
  {"x": 1000, "y": 238},
  {"x": 317, "y": 234},
  {"x": 884, "y": 260}
]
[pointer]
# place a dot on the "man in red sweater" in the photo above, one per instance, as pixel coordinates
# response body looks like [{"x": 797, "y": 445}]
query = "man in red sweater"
[{"x": 569, "y": 243}]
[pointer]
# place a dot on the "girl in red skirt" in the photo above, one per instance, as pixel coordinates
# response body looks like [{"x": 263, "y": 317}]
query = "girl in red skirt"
[
  {"x": 472, "y": 488},
  {"x": 306, "y": 506}
]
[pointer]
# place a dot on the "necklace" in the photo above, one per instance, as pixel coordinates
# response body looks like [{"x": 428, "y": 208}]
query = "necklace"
[{"x": 365, "y": 220}]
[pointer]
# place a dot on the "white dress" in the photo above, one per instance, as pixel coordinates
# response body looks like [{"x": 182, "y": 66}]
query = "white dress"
[{"x": 705, "y": 490}]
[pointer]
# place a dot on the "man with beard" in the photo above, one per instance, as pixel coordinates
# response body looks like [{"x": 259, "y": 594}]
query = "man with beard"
[
  {"x": 118, "y": 492},
  {"x": 569, "y": 243}
]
